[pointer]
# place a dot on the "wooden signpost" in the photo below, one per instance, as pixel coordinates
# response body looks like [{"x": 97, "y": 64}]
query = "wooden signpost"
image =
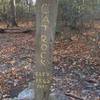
[{"x": 45, "y": 30}]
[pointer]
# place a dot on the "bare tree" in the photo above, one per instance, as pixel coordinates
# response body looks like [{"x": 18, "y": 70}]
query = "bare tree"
[
  {"x": 13, "y": 12},
  {"x": 46, "y": 19}
]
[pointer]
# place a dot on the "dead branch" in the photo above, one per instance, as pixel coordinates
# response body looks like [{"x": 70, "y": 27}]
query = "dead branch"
[{"x": 73, "y": 96}]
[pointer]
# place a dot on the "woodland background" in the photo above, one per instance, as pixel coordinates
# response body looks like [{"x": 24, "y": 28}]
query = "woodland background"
[{"x": 76, "y": 52}]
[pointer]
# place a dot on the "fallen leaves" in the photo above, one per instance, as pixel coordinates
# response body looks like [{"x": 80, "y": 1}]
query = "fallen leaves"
[
  {"x": 16, "y": 56},
  {"x": 75, "y": 65},
  {"x": 76, "y": 68}
]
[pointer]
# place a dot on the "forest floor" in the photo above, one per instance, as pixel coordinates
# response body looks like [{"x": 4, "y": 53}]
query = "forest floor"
[{"x": 76, "y": 65}]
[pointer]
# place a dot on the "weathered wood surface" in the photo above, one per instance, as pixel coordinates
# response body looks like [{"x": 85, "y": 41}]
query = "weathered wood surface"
[{"x": 45, "y": 29}]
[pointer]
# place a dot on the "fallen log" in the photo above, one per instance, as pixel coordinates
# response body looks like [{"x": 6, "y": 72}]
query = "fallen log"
[
  {"x": 16, "y": 30},
  {"x": 2, "y": 30}
]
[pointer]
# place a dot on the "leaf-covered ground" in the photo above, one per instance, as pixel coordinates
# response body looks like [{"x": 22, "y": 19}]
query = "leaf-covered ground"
[
  {"x": 76, "y": 66},
  {"x": 77, "y": 69},
  {"x": 16, "y": 59}
]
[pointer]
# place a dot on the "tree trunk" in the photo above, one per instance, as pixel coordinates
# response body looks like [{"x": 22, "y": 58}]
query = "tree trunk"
[
  {"x": 13, "y": 12},
  {"x": 46, "y": 22}
]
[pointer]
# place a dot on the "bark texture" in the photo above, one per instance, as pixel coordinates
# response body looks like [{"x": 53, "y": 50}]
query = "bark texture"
[{"x": 46, "y": 22}]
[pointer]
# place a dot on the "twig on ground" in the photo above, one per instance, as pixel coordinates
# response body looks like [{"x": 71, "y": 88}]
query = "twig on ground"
[{"x": 73, "y": 96}]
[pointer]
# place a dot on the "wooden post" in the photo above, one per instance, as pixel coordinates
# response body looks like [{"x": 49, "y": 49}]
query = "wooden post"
[{"x": 45, "y": 29}]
